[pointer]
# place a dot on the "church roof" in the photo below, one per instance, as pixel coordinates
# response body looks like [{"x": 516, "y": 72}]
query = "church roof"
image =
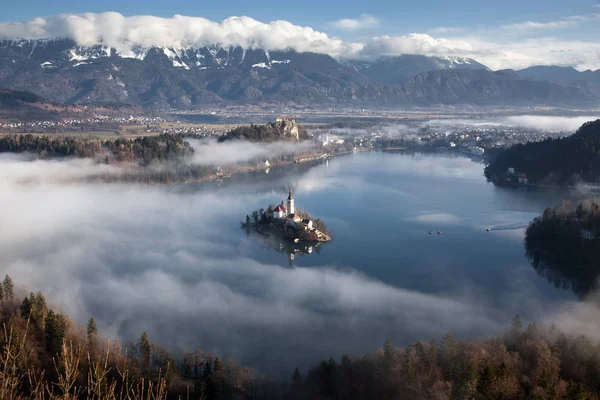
[
  {"x": 290, "y": 196},
  {"x": 279, "y": 209}
]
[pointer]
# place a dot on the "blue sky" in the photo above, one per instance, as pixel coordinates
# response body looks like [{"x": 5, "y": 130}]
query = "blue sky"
[
  {"x": 506, "y": 34},
  {"x": 397, "y": 17}
]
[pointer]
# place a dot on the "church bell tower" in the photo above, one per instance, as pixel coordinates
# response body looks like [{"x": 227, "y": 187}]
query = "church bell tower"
[{"x": 290, "y": 204}]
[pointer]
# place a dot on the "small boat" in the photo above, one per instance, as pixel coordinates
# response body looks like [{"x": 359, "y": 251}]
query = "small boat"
[
  {"x": 488, "y": 230},
  {"x": 431, "y": 232},
  {"x": 439, "y": 232}
]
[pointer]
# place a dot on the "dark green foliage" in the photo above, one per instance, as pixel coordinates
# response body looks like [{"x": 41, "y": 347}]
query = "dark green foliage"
[
  {"x": 552, "y": 161},
  {"x": 263, "y": 133},
  {"x": 144, "y": 352},
  {"x": 54, "y": 331},
  {"x": 142, "y": 150},
  {"x": 8, "y": 288},
  {"x": 557, "y": 251},
  {"x": 575, "y": 391},
  {"x": 25, "y": 308},
  {"x": 91, "y": 329}
]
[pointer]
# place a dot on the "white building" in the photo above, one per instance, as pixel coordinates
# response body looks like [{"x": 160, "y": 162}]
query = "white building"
[
  {"x": 290, "y": 203},
  {"x": 280, "y": 212}
]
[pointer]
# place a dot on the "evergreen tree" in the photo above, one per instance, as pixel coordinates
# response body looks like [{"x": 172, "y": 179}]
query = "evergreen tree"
[
  {"x": 486, "y": 378},
  {"x": 389, "y": 352},
  {"x": 54, "y": 331},
  {"x": 218, "y": 367},
  {"x": 296, "y": 377},
  {"x": 207, "y": 371},
  {"x": 575, "y": 391},
  {"x": 144, "y": 350},
  {"x": 1, "y": 293},
  {"x": 25, "y": 308},
  {"x": 9, "y": 289},
  {"x": 91, "y": 329},
  {"x": 516, "y": 325}
]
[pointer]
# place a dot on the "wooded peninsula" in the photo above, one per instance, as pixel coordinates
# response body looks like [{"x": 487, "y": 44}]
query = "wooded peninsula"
[{"x": 563, "y": 161}]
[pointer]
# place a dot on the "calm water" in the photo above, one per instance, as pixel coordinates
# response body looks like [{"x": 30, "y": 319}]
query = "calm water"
[{"x": 174, "y": 262}]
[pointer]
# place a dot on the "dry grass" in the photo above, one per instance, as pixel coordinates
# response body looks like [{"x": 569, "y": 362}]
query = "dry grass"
[{"x": 101, "y": 379}]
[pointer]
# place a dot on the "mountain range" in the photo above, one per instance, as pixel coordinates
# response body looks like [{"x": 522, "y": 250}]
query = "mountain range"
[{"x": 188, "y": 78}]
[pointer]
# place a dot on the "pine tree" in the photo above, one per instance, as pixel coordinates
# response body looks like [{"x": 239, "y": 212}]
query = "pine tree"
[
  {"x": 9, "y": 289},
  {"x": 218, "y": 365},
  {"x": 486, "y": 378},
  {"x": 207, "y": 371},
  {"x": 575, "y": 391},
  {"x": 144, "y": 350},
  {"x": 25, "y": 308},
  {"x": 389, "y": 352},
  {"x": 516, "y": 325},
  {"x": 296, "y": 377},
  {"x": 1, "y": 293},
  {"x": 54, "y": 331},
  {"x": 91, "y": 329}
]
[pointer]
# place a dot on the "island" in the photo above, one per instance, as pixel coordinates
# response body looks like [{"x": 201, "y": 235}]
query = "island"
[
  {"x": 287, "y": 222},
  {"x": 564, "y": 247},
  {"x": 564, "y": 161}
]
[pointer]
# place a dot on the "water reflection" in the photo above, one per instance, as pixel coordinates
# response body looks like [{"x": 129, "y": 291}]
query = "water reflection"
[
  {"x": 286, "y": 247},
  {"x": 567, "y": 261}
]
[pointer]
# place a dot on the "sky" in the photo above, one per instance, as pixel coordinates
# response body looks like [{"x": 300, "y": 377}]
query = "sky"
[{"x": 508, "y": 34}]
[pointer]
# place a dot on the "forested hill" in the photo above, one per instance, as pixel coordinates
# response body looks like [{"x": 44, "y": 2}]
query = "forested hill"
[
  {"x": 280, "y": 130},
  {"x": 563, "y": 161},
  {"x": 563, "y": 245},
  {"x": 44, "y": 355}
]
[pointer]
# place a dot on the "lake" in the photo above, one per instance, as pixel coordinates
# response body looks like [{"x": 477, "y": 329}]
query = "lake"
[{"x": 173, "y": 261}]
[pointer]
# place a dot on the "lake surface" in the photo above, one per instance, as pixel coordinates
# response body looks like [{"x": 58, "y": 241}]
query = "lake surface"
[{"x": 174, "y": 262}]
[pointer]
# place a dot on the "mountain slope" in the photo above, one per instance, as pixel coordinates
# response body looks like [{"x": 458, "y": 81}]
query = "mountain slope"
[
  {"x": 398, "y": 69},
  {"x": 483, "y": 87},
  {"x": 559, "y": 74},
  {"x": 189, "y": 78}
]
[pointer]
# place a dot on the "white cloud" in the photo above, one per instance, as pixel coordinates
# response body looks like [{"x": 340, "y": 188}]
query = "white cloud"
[
  {"x": 120, "y": 32},
  {"x": 348, "y": 24},
  {"x": 435, "y": 218},
  {"x": 507, "y": 46},
  {"x": 567, "y": 22},
  {"x": 415, "y": 43},
  {"x": 243, "y": 151}
]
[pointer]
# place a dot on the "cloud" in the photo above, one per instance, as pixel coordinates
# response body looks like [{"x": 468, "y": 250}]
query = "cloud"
[
  {"x": 415, "y": 43},
  {"x": 435, "y": 218},
  {"x": 122, "y": 33},
  {"x": 172, "y": 261},
  {"x": 243, "y": 151},
  {"x": 567, "y": 22},
  {"x": 515, "y": 46},
  {"x": 347, "y": 24},
  {"x": 538, "y": 122}
]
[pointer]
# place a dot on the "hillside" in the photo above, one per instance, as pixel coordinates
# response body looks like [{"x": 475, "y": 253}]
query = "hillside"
[
  {"x": 23, "y": 106},
  {"x": 45, "y": 354},
  {"x": 556, "y": 249},
  {"x": 398, "y": 69},
  {"x": 561, "y": 161},
  {"x": 190, "y": 78},
  {"x": 559, "y": 74}
]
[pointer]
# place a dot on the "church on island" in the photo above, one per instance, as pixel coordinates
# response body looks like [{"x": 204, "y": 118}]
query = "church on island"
[
  {"x": 293, "y": 224},
  {"x": 287, "y": 214}
]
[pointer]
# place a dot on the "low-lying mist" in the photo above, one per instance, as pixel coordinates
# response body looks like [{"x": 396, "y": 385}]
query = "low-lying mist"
[
  {"x": 228, "y": 153},
  {"x": 175, "y": 264}
]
